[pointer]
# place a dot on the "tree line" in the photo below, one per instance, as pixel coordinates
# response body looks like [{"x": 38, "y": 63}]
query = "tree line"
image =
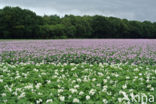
[{"x": 17, "y": 23}]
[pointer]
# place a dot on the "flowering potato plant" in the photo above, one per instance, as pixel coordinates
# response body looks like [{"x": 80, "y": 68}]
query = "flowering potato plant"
[
  {"x": 74, "y": 83},
  {"x": 104, "y": 71},
  {"x": 129, "y": 51}
]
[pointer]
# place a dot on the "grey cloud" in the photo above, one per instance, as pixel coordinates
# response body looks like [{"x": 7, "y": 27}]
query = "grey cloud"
[{"x": 130, "y": 9}]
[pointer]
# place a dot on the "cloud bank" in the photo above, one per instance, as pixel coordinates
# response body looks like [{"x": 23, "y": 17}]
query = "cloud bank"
[{"x": 129, "y": 9}]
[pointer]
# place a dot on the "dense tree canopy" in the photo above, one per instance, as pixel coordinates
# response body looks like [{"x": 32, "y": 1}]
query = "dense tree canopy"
[{"x": 22, "y": 23}]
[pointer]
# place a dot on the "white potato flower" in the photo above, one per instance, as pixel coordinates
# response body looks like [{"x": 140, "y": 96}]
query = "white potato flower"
[
  {"x": 5, "y": 101},
  {"x": 104, "y": 88},
  {"x": 39, "y": 101},
  {"x": 1, "y": 80},
  {"x": 36, "y": 70},
  {"x": 60, "y": 90},
  {"x": 98, "y": 85},
  {"x": 38, "y": 85},
  {"x": 109, "y": 93},
  {"x": 17, "y": 76},
  {"x": 75, "y": 100},
  {"x": 104, "y": 101},
  {"x": 72, "y": 90},
  {"x": 72, "y": 69},
  {"x": 78, "y": 80},
  {"x": 22, "y": 95},
  {"x": 73, "y": 81},
  {"x": 69, "y": 96},
  {"x": 136, "y": 69},
  {"x": 76, "y": 86},
  {"x": 100, "y": 74},
  {"x": 116, "y": 75},
  {"x": 39, "y": 93},
  {"x": 108, "y": 77},
  {"x": 48, "y": 81},
  {"x": 49, "y": 101},
  {"x": 152, "y": 89},
  {"x": 3, "y": 94},
  {"x": 62, "y": 98},
  {"x": 119, "y": 100},
  {"x": 92, "y": 91},
  {"x": 124, "y": 86},
  {"x": 30, "y": 86},
  {"x": 105, "y": 80},
  {"x": 140, "y": 74},
  {"x": 81, "y": 93},
  {"x": 149, "y": 86},
  {"x": 94, "y": 79},
  {"x": 87, "y": 97},
  {"x": 127, "y": 77},
  {"x": 101, "y": 65}
]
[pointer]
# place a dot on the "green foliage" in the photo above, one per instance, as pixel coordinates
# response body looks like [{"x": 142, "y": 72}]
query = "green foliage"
[
  {"x": 22, "y": 23},
  {"x": 53, "y": 30},
  {"x": 18, "y": 23}
]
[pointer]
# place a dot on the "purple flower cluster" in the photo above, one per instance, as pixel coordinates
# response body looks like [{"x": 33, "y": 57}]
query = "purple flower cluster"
[{"x": 110, "y": 49}]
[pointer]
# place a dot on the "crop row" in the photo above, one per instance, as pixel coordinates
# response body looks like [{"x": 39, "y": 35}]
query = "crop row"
[{"x": 76, "y": 83}]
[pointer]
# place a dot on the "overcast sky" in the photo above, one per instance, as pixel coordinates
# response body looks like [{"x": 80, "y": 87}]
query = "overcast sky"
[{"x": 130, "y": 9}]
